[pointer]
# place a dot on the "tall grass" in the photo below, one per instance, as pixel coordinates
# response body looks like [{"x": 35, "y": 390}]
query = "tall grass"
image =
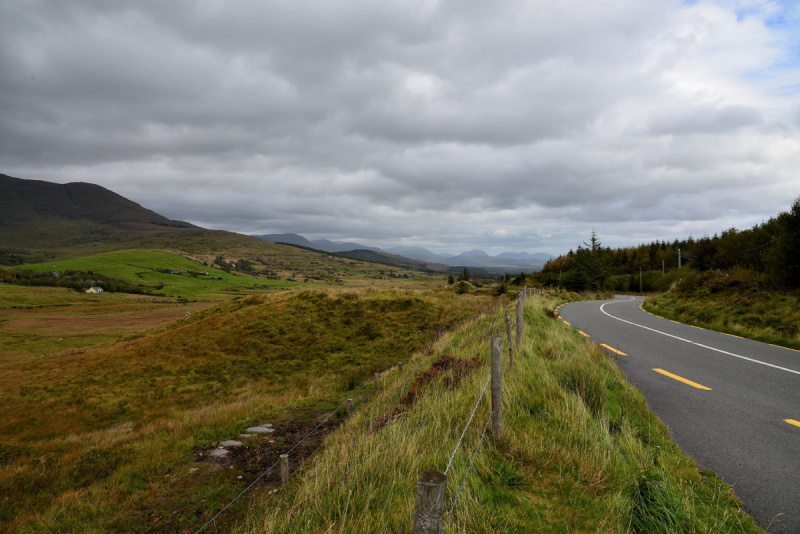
[
  {"x": 580, "y": 453},
  {"x": 738, "y": 304},
  {"x": 104, "y": 440}
]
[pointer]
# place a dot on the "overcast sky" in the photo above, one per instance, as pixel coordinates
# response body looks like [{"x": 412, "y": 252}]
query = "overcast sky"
[{"x": 507, "y": 125}]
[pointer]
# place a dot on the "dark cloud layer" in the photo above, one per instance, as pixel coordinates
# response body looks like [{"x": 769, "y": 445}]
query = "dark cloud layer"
[{"x": 449, "y": 124}]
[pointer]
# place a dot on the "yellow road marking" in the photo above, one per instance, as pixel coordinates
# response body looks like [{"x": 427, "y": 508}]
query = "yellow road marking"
[
  {"x": 581, "y": 332},
  {"x": 612, "y": 349},
  {"x": 565, "y": 322},
  {"x": 676, "y": 322},
  {"x": 793, "y": 422},
  {"x": 787, "y": 348},
  {"x": 681, "y": 379},
  {"x": 698, "y": 327},
  {"x": 740, "y": 337}
]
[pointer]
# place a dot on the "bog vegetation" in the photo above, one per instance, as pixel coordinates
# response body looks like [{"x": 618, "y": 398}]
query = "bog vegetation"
[{"x": 112, "y": 438}]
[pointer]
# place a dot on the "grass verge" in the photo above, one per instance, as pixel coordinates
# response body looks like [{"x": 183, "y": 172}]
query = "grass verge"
[
  {"x": 733, "y": 305},
  {"x": 581, "y": 452}
]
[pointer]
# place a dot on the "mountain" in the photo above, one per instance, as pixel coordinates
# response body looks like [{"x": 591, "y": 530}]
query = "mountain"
[
  {"x": 418, "y": 253},
  {"x": 543, "y": 256},
  {"x": 392, "y": 259},
  {"x": 506, "y": 262},
  {"x": 292, "y": 239},
  {"x": 333, "y": 246},
  {"x": 72, "y": 220},
  {"x": 32, "y": 201},
  {"x": 474, "y": 253},
  {"x": 320, "y": 244}
]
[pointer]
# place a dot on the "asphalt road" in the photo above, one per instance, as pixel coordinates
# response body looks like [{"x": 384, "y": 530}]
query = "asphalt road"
[{"x": 745, "y": 424}]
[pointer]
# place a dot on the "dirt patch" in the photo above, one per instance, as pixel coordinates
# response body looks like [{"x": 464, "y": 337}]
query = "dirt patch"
[
  {"x": 259, "y": 453},
  {"x": 454, "y": 369}
]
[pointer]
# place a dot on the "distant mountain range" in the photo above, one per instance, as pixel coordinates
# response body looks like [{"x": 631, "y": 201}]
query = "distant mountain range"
[
  {"x": 506, "y": 261},
  {"x": 321, "y": 244}
]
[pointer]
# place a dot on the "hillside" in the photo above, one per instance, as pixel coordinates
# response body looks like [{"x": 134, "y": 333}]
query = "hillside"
[{"x": 42, "y": 220}]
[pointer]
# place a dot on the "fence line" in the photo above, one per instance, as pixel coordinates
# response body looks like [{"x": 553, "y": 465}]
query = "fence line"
[
  {"x": 262, "y": 475},
  {"x": 464, "y": 480},
  {"x": 474, "y": 409},
  {"x": 432, "y": 486},
  {"x": 365, "y": 399},
  {"x": 468, "y": 423}
]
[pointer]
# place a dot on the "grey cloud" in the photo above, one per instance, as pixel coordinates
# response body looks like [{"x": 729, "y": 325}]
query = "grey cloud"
[
  {"x": 435, "y": 123},
  {"x": 705, "y": 121}
]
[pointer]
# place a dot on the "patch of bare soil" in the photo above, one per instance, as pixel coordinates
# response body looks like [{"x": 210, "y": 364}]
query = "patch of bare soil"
[{"x": 255, "y": 456}]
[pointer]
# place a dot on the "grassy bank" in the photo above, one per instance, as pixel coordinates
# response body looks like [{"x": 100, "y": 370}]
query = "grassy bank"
[
  {"x": 581, "y": 452},
  {"x": 116, "y": 438},
  {"x": 736, "y": 304}
]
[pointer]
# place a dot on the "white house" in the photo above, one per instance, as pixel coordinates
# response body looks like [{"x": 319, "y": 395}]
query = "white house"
[{"x": 94, "y": 290}]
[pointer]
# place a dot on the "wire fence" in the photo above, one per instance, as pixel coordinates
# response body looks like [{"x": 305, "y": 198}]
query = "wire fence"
[
  {"x": 309, "y": 457},
  {"x": 506, "y": 363},
  {"x": 505, "y": 342}
]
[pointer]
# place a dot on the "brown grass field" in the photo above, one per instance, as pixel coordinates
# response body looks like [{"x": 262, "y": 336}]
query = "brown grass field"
[{"x": 109, "y": 402}]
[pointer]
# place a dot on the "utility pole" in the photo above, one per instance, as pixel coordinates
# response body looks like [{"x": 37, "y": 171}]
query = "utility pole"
[
  {"x": 679, "y": 258},
  {"x": 662, "y": 268},
  {"x": 559, "y": 279},
  {"x": 640, "y": 279}
]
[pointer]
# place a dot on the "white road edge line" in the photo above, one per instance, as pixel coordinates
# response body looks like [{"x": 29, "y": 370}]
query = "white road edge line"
[{"x": 692, "y": 342}]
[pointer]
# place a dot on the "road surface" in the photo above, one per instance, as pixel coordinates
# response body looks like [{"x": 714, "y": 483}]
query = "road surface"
[{"x": 732, "y": 404}]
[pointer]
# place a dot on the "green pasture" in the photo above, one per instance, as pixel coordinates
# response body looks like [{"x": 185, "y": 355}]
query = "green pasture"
[{"x": 142, "y": 268}]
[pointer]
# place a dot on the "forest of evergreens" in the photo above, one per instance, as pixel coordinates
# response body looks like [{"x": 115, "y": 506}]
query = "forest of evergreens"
[{"x": 770, "y": 251}]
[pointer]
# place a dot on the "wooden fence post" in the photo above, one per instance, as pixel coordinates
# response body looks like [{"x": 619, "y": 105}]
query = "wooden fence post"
[
  {"x": 376, "y": 381},
  {"x": 519, "y": 325},
  {"x": 510, "y": 342},
  {"x": 429, "y": 503},
  {"x": 349, "y": 406},
  {"x": 284, "y": 469},
  {"x": 401, "y": 367},
  {"x": 497, "y": 389}
]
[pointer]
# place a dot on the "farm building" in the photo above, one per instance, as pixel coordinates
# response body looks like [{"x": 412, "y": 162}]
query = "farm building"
[{"x": 94, "y": 290}]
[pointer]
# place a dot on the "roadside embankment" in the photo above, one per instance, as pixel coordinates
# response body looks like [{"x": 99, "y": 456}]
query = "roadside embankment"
[
  {"x": 733, "y": 305},
  {"x": 580, "y": 451}
]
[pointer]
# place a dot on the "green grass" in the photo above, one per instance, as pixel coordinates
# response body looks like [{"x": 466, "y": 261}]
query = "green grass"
[
  {"x": 106, "y": 439},
  {"x": 141, "y": 268},
  {"x": 735, "y": 306},
  {"x": 297, "y": 269},
  {"x": 581, "y": 452}
]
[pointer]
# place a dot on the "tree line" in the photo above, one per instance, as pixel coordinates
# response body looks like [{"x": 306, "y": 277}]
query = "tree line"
[{"x": 770, "y": 249}]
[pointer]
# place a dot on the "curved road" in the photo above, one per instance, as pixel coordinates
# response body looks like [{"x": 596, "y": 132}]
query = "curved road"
[{"x": 732, "y": 404}]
